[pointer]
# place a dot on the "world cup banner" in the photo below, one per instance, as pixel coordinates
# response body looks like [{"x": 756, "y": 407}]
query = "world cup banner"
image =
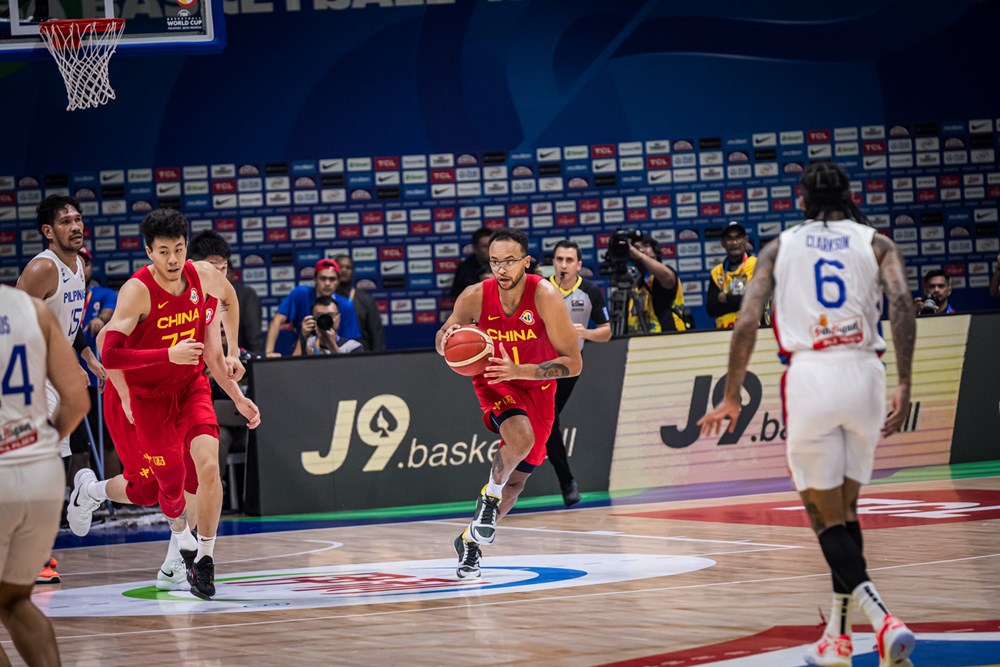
[{"x": 672, "y": 381}]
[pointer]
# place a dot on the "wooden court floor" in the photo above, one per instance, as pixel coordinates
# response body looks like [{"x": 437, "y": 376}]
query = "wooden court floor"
[{"x": 734, "y": 581}]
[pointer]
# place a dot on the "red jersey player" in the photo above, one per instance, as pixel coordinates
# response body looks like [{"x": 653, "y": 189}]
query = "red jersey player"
[
  {"x": 536, "y": 344},
  {"x": 136, "y": 486},
  {"x": 157, "y": 336}
]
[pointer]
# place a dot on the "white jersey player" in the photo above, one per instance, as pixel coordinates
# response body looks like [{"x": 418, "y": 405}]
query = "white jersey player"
[
  {"x": 33, "y": 350},
  {"x": 827, "y": 277},
  {"x": 55, "y": 276}
]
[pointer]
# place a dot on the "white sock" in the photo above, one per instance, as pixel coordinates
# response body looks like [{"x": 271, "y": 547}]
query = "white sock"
[
  {"x": 871, "y": 603},
  {"x": 494, "y": 489},
  {"x": 839, "y": 622},
  {"x": 98, "y": 490},
  {"x": 185, "y": 540},
  {"x": 173, "y": 551},
  {"x": 206, "y": 547}
]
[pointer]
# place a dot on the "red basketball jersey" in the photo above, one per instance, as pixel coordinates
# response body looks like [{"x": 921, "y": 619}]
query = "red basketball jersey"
[
  {"x": 522, "y": 334},
  {"x": 171, "y": 319}
]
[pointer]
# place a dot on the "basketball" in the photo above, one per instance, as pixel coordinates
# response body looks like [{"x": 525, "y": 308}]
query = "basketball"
[{"x": 468, "y": 350}]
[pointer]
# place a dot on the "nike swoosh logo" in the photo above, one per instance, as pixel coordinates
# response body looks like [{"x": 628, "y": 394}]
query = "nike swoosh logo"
[
  {"x": 546, "y": 386},
  {"x": 546, "y": 154},
  {"x": 162, "y": 304},
  {"x": 492, "y": 317},
  {"x": 167, "y": 574}
]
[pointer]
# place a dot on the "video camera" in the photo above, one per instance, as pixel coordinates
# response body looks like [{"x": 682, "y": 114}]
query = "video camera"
[{"x": 617, "y": 256}]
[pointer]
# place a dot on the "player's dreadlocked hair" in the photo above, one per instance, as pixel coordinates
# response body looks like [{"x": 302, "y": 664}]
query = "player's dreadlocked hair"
[{"x": 827, "y": 189}]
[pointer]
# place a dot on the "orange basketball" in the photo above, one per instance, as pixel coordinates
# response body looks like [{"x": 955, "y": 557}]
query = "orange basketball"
[{"x": 468, "y": 350}]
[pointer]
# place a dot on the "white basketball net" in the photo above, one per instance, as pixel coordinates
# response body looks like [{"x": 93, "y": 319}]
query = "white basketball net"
[{"x": 82, "y": 49}]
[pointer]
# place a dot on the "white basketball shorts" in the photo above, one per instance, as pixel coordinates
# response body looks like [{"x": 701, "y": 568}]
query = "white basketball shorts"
[
  {"x": 52, "y": 398},
  {"x": 835, "y": 408}
]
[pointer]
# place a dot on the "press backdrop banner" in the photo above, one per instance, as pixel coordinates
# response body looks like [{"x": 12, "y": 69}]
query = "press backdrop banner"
[
  {"x": 672, "y": 381},
  {"x": 361, "y": 432}
]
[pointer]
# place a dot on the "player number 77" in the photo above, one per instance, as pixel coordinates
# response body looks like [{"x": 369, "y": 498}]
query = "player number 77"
[{"x": 174, "y": 338}]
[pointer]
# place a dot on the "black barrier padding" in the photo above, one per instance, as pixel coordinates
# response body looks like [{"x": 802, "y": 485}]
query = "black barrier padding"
[
  {"x": 415, "y": 425},
  {"x": 977, "y": 420}
]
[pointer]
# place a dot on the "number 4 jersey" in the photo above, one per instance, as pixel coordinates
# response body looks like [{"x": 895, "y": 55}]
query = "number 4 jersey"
[
  {"x": 25, "y": 432},
  {"x": 171, "y": 319},
  {"x": 827, "y": 292}
]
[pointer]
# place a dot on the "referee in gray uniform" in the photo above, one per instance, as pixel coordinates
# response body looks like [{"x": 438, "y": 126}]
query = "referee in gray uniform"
[{"x": 585, "y": 303}]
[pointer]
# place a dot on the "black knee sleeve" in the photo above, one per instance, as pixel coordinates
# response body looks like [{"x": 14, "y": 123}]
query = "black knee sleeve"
[{"x": 844, "y": 557}]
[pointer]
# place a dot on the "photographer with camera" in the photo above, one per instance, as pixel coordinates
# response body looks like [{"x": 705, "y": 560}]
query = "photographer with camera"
[
  {"x": 657, "y": 303},
  {"x": 937, "y": 289},
  {"x": 318, "y": 333},
  {"x": 730, "y": 278}
]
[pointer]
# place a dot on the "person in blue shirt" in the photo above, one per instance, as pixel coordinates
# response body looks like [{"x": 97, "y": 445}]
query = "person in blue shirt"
[{"x": 298, "y": 304}]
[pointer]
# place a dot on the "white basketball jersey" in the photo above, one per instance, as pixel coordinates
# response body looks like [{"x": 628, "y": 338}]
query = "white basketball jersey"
[
  {"x": 70, "y": 297},
  {"x": 827, "y": 293},
  {"x": 25, "y": 432}
]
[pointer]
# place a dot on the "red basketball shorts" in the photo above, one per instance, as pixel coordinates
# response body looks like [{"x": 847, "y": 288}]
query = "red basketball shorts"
[
  {"x": 537, "y": 402},
  {"x": 142, "y": 487},
  {"x": 165, "y": 426}
]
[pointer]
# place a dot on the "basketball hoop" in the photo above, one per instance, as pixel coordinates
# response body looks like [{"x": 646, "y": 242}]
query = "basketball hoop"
[{"x": 82, "y": 49}]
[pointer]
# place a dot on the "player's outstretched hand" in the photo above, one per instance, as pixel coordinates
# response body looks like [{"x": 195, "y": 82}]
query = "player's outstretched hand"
[
  {"x": 249, "y": 410},
  {"x": 900, "y": 410},
  {"x": 186, "y": 353},
  {"x": 501, "y": 368},
  {"x": 711, "y": 424},
  {"x": 234, "y": 368}
]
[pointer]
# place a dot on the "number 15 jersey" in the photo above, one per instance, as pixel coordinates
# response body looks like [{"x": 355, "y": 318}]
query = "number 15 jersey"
[{"x": 827, "y": 291}]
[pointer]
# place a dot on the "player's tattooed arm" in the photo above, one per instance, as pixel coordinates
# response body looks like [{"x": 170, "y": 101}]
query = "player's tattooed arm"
[
  {"x": 744, "y": 338},
  {"x": 551, "y": 369},
  {"x": 892, "y": 272}
]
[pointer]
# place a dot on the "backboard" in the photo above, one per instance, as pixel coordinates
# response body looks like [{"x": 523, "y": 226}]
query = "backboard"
[{"x": 152, "y": 26}]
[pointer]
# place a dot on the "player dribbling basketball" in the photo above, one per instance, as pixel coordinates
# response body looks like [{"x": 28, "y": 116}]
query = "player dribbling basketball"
[{"x": 535, "y": 343}]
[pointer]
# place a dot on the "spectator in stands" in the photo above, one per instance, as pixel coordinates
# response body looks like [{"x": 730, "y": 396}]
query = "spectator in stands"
[
  {"x": 214, "y": 249},
  {"x": 476, "y": 267},
  {"x": 661, "y": 306},
  {"x": 937, "y": 289},
  {"x": 369, "y": 319},
  {"x": 318, "y": 333},
  {"x": 995, "y": 281},
  {"x": 298, "y": 305},
  {"x": 729, "y": 278}
]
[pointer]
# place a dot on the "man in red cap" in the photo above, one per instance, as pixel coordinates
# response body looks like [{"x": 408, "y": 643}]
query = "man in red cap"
[{"x": 297, "y": 306}]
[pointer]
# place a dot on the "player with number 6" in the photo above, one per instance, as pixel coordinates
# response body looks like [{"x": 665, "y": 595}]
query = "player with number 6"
[{"x": 828, "y": 275}]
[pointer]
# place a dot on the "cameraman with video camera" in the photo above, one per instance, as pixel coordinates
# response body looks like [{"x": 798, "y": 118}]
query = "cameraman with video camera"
[
  {"x": 658, "y": 290},
  {"x": 937, "y": 289},
  {"x": 318, "y": 333}
]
